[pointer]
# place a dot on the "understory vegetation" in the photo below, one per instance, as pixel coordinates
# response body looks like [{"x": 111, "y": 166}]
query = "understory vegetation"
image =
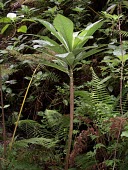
[{"x": 63, "y": 85}]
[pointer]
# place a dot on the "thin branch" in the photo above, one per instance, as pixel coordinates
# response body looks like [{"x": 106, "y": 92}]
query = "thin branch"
[
  {"x": 121, "y": 82},
  {"x": 122, "y": 60},
  {"x": 25, "y": 96},
  {"x": 3, "y": 119}
]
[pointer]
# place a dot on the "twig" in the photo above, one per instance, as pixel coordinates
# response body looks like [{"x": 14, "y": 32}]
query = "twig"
[
  {"x": 122, "y": 58},
  {"x": 16, "y": 125},
  {"x": 3, "y": 119},
  {"x": 121, "y": 83}
]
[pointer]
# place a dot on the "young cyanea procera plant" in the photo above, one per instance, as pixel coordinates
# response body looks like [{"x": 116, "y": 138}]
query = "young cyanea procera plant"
[{"x": 67, "y": 53}]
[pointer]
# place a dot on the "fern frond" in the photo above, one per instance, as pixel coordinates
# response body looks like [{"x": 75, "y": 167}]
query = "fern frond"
[
  {"x": 99, "y": 92},
  {"x": 30, "y": 127},
  {"x": 52, "y": 77},
  {"x": 62, "y": 132},
  {"x": 123, "y": 33},
  {"x": 47, "y": 143},
  {"x": 34, "y": 129},
  {"x": 86, "y": 161},
  {"x": 53, "y": 125}
]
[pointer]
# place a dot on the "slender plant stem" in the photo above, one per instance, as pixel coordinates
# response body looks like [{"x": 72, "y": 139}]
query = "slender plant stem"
[
  {"x": 71, "y": 118},
  {"x": 117, "y": 141},
  {"x": 16, "y": 124},
  {"x": 122, "y": 60},
  {"x": 121, "y": 82},
  {"x": 3, "y": 119}
]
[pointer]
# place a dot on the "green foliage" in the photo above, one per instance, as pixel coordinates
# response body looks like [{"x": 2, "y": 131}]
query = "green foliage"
[
  {"x": 53, "y": 125},
  {"x": 71, "y": 51},
  {"x": 48, "y": 135},
  {"x": 102, "y": 108},
  {"x": 88, "y": 159},
  {"x": 46, "y": 143},
  {"x": 99, "y": 92},
  {"x": 23, "y": 42}
]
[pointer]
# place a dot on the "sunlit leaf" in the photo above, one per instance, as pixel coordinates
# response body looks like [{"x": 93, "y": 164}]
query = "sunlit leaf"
[
  {"x": 53, "y": 31},
  {"x": 5, "y": 106},
  {"x": 84, "y": 55},
  {"x": 5, "y": 20},
  {"x": 68, "y": 57},
  {"x": 5, "y": 28},
  {"x": 78, "y": 9},
  {"x": 118, "y": 52},
  {"x": 65, "y": 27},
  {"x": 124, "y": 134},
  {"x": 22, "y": 29},
  {"x": 123, "y": 58},
  {"x": 89, "y": 31},
  {"x": 56, "y": 65}
]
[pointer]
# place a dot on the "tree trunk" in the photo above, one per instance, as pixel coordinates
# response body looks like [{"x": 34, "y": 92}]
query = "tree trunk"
[{"x": 71, "y": 118}]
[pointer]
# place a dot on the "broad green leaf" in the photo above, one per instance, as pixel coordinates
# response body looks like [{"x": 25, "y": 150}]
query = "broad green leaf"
[
  {"x": 52, "y": 10},
  {"x": 82, "y": 40},
  {"x": 30, "y": 20},
  {"x": 78, "y": 9},
  {"x": 49, "y": 27},
  {"x": 124, "y": 134},
  {"x": 70, "y": 59},
  {"x": 5, "y": 106},
  {"x": 62, "y": 55},
  {"x": 118, "y": 52},
  {"x": 43, "y": 43},
  {"x": 57, "y": 48},
  {"x": 56, "y": 65},
  {"x": 4, "y": 28},
  {"x": 53, "y": 31},
  {"x": 84, "y": 55},
  {"x": 123, "y": 58},
  {"x": 77, "y": 51},
  {"x": 50, "y": 40},
  {"x": 65, "y": 27},
  {"x": 67, "y": 57},
  {"x": 22, "y": 29},
  {"x": 89, "y": 31},
  {"x": 61, "y": 63},
  {"x": 5, "y": 20}
]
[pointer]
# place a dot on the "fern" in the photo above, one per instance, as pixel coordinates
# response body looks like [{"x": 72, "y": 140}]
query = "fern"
[
  {"x": 85, "y": 161},
  {"x": 47, "y": 143},
  {"x": 19, "y": 165},
  {"x": 99, "y": 92},
  {"x": 53, "y": 126},
  {"x": 31, "y": 128},
  {"x": 47, "y": 134},
  {"x": 52, "y": 77},
  {"x": 123, "y": 33}
]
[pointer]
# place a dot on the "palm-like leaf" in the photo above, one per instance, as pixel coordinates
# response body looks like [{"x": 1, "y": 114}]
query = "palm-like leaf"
[
  {"x": 64, "y": 26},
  {"x": 86, "y": 34},
  {"x": 71, "y": 48}
]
